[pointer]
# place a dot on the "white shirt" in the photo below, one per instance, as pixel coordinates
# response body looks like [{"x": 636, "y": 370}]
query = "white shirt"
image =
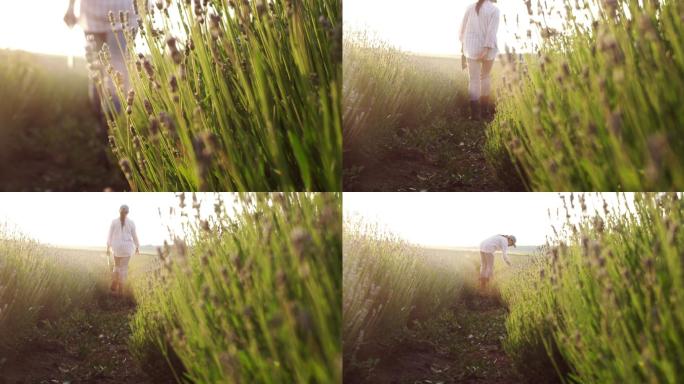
[
  {"x": 478, "y": 31},
  {"x": 123, "y": 240},
  {"x": 496, "y": 243},
  {"x": 94, "y": 14}
]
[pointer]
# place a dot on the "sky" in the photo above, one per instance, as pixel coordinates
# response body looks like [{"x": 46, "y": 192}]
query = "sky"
[
  {"x": 429, "y": 26},
  {"x": 38, "y": 26},
  {"x": 462, "y": 219},
  {"x": 23, "y": 28},
  {"x": 83, "y": 219}
]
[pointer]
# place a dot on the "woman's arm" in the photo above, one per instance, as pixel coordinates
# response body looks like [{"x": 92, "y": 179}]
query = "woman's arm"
[
  {"x": 504, "y": 253},
  {"x": 70, "y": 16},
  {"x": 464, "y": 24},
  {"x": 492, "y": 30},
  {"x": 135, "y": 238},
  {"x": 109, "y": 236}
]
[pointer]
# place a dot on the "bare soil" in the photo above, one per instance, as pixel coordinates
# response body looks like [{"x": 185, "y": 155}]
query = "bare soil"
[
  {"x": 47, "y": 174},
  {"x": 88, "y": 346},
  {"x": 448, "y": 155},
  {"x": 461, "y": 345}
]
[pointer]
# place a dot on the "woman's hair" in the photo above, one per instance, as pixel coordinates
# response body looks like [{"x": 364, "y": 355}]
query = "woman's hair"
[{"x": 479, "y": 5}]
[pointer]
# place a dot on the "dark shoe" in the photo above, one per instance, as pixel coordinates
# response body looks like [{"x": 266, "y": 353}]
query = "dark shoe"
[
  {"x": 487, "y": 108},
  {"x": 475, "y": 110}
]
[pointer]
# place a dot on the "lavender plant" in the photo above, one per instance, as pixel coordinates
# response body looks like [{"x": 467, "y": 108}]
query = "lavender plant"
[
  {"x": 389, "y": 283},
  {"x": 250, "y": 295},
  {"x": 600, "y": 108},
  {"x": 231, "y": 96},
  {"x": 386, "y": 90},
  {"x": 602, "y": 303},
  {"x": 39, "y": 283}
]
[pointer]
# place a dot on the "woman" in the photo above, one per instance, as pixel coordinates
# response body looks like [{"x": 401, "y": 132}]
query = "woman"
[
  {"x": 122, "y": 241},
  {"x": 478, "y": 39},
  {"x": 487, "y": 249},
  {"x": 99, "y": 30}
]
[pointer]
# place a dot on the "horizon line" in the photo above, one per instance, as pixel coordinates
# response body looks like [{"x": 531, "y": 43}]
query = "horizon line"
[{"x": 469, "y": 246}]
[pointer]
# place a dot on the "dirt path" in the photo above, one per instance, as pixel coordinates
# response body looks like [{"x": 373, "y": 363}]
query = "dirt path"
[
  {"x": 57, "y": 175},
  {"x": 462, "y": 345},
  {"x": 446, "y": 156},
  {"x": 87, "y": 346}
]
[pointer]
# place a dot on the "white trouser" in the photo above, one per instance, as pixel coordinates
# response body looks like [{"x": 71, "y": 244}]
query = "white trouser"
[
  {"x": 487, "y": 265},
  {"x": 479, "y": 72},
  {"x": 116, "y": 42},
  {"x": 121, "y": 268}
]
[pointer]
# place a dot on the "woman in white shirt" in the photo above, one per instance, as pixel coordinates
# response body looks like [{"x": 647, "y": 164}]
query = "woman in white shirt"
[
  {"x": 478, "y": 39},
  {"x": 122, "y": 242},
  {"x": 487, "y": 249}
]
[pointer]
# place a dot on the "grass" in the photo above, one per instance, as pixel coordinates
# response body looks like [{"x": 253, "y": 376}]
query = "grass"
[
  {"x": 385, "y": 285},
  {"x": 250, "y": 294},
  {"x": 42, "y": 284},
  {"x": 601, "y": 304},
  {"x": 599, "y": 109},
  {"x": 58, "y": 320},
  {"x": 37, "y": 284},
  {"x": 386, "y": 90},
  {"x": 598, "y": 303},
  {"x": 233, "y": 96},
  {"x": 526, "y": 324},
  {"x": 86, "y": 344},
  {"x": 396, "y": 293},
  {"x": 257, "y": 303},
  {"x": 406, "y": 126},
  {"x": 47, "y": 125},
  {"x": 470, "y": 337}
]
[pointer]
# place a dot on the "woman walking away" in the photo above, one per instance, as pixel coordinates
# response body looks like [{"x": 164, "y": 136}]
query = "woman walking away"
[
  {"x": 478, "y": 39},
  {"x": 100, "y": 32},
  {"x": 122, "y": 240},
  {"x": 487, "y": 249}
]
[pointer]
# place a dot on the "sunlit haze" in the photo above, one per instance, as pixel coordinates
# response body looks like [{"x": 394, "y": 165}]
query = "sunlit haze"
[
  {"x": 83, "y": 219},
  {"x": 431, "y": 26},
  {"x": 38, "y": 26},
  {"x": 463, "y": 219}
]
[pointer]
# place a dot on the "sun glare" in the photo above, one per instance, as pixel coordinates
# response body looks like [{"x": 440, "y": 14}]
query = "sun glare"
[
  {"x": 464, "y": 219},
  {"x": 37, "y": 26},
  {"x": 431, "y": 26},
  {"x": 82, "y": 219}
]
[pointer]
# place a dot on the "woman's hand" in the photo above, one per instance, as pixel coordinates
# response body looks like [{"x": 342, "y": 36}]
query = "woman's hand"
[
  {"x": 70, "y": 18},
  {"x": 484, "y": 54}
]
